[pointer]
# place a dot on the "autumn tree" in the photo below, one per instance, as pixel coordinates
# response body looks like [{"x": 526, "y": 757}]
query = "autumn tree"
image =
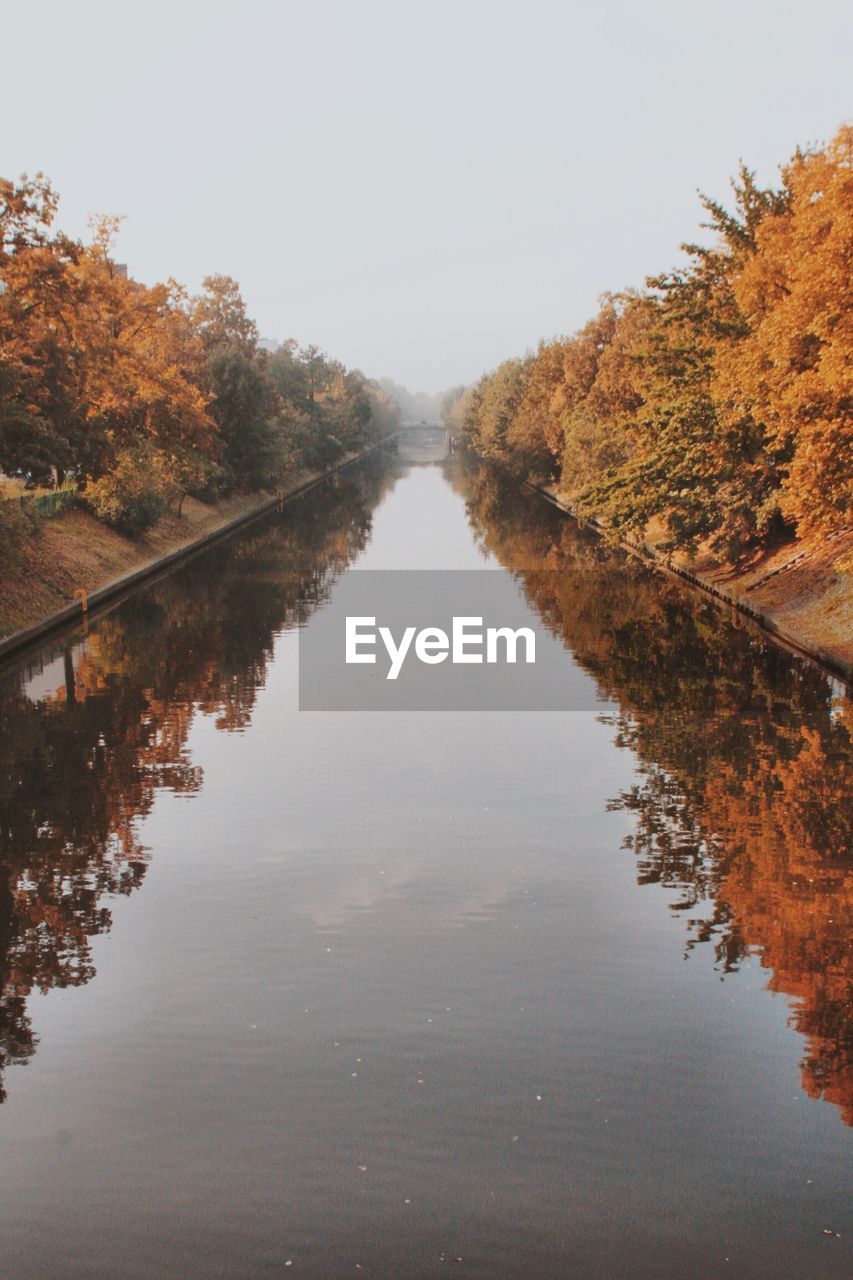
[
  {"x": 143, "y": 393},
  {"x": 499, "y": 395},
  {"x": 535, "y": 435},
  {"x": 704, "y": 474},
  {"x": 601, "y": 394},
  {"x": 791, "y": 365},
  {"x": 326, "y": 408},
  {"x": 39, "y": 412},
  {"x": 243, "y": 398},
  {"x": 93, "y": 363}
]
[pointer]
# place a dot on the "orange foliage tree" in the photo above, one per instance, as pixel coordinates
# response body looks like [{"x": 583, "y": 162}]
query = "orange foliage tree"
[
  {"x": 792, "y": 368},
  {"x": 718, "y": 402}
]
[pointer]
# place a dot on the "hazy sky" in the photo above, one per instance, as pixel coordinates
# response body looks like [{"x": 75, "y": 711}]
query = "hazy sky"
[{"x": 420, "y": 188}]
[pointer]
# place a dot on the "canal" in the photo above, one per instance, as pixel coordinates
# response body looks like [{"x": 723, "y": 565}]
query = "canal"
[{"x": 492, "y": 994}]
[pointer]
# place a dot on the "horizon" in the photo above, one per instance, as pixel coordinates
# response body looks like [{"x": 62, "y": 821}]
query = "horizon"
[{"x": 405, "y": 189}]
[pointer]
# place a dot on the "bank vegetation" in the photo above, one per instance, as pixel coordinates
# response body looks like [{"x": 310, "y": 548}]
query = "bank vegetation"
[
  {"x": 129, "y": 398},
  {"x": 712, "y": 409}
]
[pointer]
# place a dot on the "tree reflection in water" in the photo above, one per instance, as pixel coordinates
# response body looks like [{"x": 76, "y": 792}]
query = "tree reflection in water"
[
  {"x": 80, "y": 765},
  {"x": 743, "y": 802}
]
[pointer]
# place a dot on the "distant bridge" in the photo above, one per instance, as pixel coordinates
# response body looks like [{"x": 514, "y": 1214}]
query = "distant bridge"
[{"x": 422, "y": 442}]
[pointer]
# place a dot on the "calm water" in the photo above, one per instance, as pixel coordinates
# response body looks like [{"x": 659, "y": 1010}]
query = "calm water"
[{"x": 496, "y": 995}]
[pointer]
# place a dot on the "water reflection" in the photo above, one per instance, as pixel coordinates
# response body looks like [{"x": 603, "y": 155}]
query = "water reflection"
[
  {"x": 91, "y": 734},
  {"x": 743, "y": 802}
]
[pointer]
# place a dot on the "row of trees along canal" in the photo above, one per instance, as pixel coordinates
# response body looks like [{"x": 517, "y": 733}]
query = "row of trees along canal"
[
  {"x": 145, "y": 394},
  {"x": 715, "y": 404}
]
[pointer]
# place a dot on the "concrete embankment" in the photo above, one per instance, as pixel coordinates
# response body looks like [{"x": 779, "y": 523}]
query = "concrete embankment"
[
  {"x": 797, "y": 592},
  {"x": 75, "y": 562}
]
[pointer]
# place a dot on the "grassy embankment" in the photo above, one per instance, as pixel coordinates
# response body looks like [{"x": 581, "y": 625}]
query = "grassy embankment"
[
  {"x": 797, "y": 587},
  {"x": 76, "y": 550}
]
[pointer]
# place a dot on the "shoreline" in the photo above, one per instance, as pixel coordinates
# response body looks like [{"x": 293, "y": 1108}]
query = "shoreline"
[
  {"x": 834, "y": 663},
  {"x": 29, "y": 636},
  {"x": 729, "y": 598}
]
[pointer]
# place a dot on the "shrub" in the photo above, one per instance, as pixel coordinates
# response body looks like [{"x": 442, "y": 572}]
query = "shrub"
[
  {"x": 190, "y": 474},
  {"x": 133, "y": 495},
  {"x": 16, "y": 524}
]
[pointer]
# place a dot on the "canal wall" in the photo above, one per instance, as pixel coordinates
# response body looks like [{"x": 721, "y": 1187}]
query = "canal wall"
[
  {"x": 796, "y": 595},
  {"x": 90, "y": 597}
]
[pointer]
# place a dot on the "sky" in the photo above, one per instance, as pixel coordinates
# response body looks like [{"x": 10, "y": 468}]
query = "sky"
[{"x": 422, "y": 189}]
